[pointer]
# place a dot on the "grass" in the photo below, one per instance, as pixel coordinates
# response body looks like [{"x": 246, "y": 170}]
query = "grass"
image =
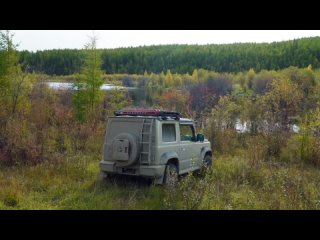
[
  {"x": 71, "y": 184},
  {"x": 74, "y": 183}
]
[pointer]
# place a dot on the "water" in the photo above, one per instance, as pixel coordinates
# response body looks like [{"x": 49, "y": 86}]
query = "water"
[
  {"x": 295, "y": 128},
  {"x": 242, "y": 127},
  {"x": 70, "y": 86}
]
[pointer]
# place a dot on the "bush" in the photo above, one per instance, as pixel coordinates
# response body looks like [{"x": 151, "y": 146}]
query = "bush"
[
  {"x": 310, "y": 150},
  {"x": 222, "y": 133},
  {"x": 79, "y": 137},
  {"x": 305, "y": 146},
  {"x": 256, "y": 151},
  {"x": 274, "y": 142},
  {"x": 193, "y": 191},
  {"x": 10, "y": 197},
  {"x": 302, "y": 149},
  {"x": 289, "y": 153},
  {"x": 20, "y": 144}
]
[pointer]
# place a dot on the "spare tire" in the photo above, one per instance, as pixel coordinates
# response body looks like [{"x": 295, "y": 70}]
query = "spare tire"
[{"x": 134, "y": 149}]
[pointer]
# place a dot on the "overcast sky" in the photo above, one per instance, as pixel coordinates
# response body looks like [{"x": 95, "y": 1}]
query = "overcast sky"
[{"x": 34, "y": 40}]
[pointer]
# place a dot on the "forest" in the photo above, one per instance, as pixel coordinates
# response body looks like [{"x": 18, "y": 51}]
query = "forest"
[
  {"x": 181, "y": 58},
  {"x": 51, "y": 139}
]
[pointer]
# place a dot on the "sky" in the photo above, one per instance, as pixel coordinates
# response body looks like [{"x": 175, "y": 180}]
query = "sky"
[{"x": 34, "y": 40}]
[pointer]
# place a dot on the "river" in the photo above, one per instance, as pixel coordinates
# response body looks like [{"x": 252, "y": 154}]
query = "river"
[{"x": 70, "y": 86}]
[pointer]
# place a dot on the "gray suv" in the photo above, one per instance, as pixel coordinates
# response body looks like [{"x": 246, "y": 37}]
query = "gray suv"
[{"x": 154, "y": 144}]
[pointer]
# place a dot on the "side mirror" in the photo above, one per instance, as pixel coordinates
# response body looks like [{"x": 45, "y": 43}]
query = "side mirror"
[{"x": 200, "y": 137}]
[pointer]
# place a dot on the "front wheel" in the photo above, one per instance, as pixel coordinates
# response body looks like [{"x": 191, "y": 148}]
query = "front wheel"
[
  {"x": 207, "y": 162},
  {"x": 170, "y": 175}
]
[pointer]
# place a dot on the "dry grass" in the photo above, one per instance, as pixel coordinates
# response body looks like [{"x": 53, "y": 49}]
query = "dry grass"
[{"x": 233, "y": 183}]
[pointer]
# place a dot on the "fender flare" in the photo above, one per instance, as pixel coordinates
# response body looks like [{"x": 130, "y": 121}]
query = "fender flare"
[
  {"x": 167, "y": 156},
  {"x": 204, "y": 151}
]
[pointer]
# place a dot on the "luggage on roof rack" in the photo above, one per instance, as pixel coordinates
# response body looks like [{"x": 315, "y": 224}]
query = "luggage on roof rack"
[{"x": 147, "y": 112}]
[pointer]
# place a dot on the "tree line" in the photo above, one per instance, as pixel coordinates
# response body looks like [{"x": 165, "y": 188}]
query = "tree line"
[{"x": 181, "y": 58}]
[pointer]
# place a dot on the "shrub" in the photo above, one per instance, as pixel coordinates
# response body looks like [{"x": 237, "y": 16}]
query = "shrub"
[
  {"x": 256, "y": 151},
  {"x": 20, "y": 144},
  {"x": 305, "y": 146},
  {"x": 222, "y": 133},
  {"x": 9, "y": 197},
  {"x": 274, "y": 142},
  {"x": 79, "y": 136},
  {"x": 193, "y": 191}
]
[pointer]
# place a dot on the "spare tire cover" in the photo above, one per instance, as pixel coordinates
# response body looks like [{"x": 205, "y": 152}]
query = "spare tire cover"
[{"x": 134, "y": 148}]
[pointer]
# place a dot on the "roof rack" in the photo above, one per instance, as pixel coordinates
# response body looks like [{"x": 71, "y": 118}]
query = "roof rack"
[{"x": 147, "y": 112}]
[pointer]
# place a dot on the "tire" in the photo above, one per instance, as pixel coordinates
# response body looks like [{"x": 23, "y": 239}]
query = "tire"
[
  {"x": 206, "y": 164},
  {"x": 207, "y": 161},
  {"x": 171, "y": 175},
  {"x": 134, "y": 149}
]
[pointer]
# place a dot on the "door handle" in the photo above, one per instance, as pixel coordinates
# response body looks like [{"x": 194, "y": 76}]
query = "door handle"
[{"x": 182, "y": 149}]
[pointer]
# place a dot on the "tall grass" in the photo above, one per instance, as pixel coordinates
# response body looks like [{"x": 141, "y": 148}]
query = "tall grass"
[{"x": 232, "y": 183}]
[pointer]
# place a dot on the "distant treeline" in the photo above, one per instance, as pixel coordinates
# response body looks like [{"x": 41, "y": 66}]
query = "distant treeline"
[{"x": 182, "y": 58}]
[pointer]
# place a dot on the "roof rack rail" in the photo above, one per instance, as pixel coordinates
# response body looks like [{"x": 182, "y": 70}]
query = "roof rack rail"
[{"x": 147, "y": 112}]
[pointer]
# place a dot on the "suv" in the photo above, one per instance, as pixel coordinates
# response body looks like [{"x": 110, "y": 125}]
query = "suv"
[{"x": 154, "y": 144}]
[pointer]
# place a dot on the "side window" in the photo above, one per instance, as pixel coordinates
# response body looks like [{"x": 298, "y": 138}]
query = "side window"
[
  {"x": 187, "y": 133},
  {"x": 168, "y": 133}
]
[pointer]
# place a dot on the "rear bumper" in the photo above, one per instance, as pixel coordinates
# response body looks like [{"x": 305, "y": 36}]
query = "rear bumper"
[{"x": 146, "y": 171}]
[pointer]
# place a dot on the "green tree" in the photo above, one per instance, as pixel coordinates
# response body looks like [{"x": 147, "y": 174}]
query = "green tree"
[
  {"x": 222, "y": 133},
  {"x": 78, "y": 98},
  {"x": 168, "y": 81},
  {"x": 92, "y": 74},
  {"x": 22, "y": 84},
  {"x": 87, "y": 95},
  {"x": 8, "y": 61},
  {"x": 114, "y": 100},
  {"x": 242, "y": 81},
  {"x": 281, "y": 103},
  {"x": 250, "y": 78},
  {"x": 309, "y": 138},
  {"x": 15, "y": 84}
]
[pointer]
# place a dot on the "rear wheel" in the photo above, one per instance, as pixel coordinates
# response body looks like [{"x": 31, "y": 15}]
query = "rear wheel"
[{"x": 171, "y": 175}]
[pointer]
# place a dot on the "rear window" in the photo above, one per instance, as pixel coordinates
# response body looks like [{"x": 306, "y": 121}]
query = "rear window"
[{"x": 168, "y": 133}]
